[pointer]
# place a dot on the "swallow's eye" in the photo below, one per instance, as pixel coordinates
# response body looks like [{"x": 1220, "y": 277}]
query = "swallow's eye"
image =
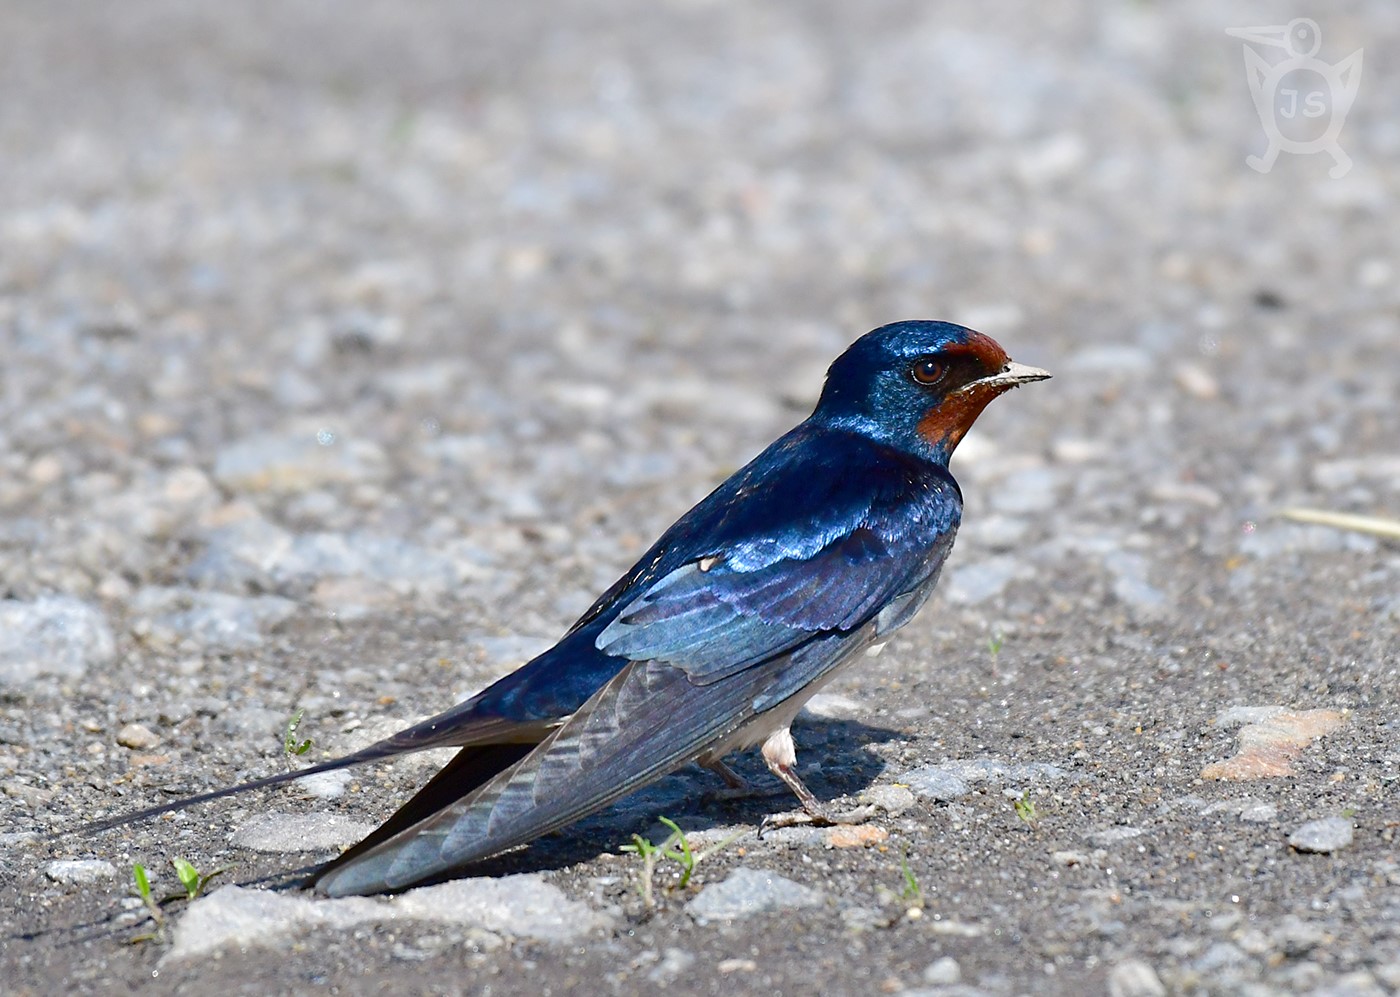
[{"x": 927, "y": 371}]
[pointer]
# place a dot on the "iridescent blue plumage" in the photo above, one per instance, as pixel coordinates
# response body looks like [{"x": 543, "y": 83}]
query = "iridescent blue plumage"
[{"x": 821, "y": 545}]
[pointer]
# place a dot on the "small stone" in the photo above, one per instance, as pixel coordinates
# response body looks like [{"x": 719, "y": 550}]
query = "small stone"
[
  {"x": 893, "y": 800},
  {"x": 1197, "y": 382},
  {"x": 746, "y": 892},
  {"x": 1270, "y": 741},
  {"x": 519, "y": 906},
  {"x": 1238, "y": 716},
  {"x": 522, "y": 906},
  {"x": 1389, "y": 974},
  {"x": 80, "y": 871},
  {"x": 53, "y": 635},
  {"x": 1073, "y": 450},
  {"x": 1111, "y": 360},
  {"x": 957, "y": 929},
  {"x": 1130, "y": 581},
  {"x": 943, "y": 972},
  {"x": 1134, "y": 978},
  {"x": 1357, "y": 983},
  {"x": 1114, "y": 835},
  {"x": 1070, "y": 859},
  {"x": 1330, "y": 834},
  {"x": 1186, "y": 492},
  {"x": 274, "y": 832},
  {"x": 137, "y": 737},
  {"x": 1259, "y": 813},
  {"x": 296, "y": 461},
  {"x": 935, "y": 783},
  {"x": 674, "y": 963},
  {"x": 977, "y": 581},
  {"x": 32, "y": 796},
  {"x": 726, "y": 966},
  {"x": 856, "y": 836},
  {"x": 210, "y": 620},
  {"x": 1032, "y": 489},
  {"x": 863, "y": 918},
  {"x": 326, "y": 785}
]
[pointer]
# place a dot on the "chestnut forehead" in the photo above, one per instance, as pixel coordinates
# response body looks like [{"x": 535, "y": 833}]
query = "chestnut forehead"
[{"x": 983, "y": 349}]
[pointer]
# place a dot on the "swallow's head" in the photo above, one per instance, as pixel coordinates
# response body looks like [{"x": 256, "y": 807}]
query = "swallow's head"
[{"x": 919, "y": 385}]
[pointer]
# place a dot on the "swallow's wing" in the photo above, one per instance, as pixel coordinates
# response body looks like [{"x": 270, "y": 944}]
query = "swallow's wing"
[
  {"x": 709, "y": 646},
  {"x": 713, "y": 621}
]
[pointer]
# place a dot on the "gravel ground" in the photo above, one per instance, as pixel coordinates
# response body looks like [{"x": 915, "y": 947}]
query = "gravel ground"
[{"x": 351, "y": 349}]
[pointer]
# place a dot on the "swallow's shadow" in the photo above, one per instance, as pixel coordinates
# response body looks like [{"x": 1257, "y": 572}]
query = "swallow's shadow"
[{"x": 829, "y": 760}]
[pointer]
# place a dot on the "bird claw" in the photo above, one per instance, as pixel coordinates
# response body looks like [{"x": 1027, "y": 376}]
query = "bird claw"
[{"x": 821, "y": 817}]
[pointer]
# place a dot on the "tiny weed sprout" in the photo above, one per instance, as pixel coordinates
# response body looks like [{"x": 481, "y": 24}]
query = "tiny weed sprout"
[
  {"x": 290, "y": 745},
  {"x": 188, "y": 876},
  {"x": 675, "y": 849},
  {"x": 994, "y": 643},
  {"x": 191, "y": 879},
  {"x": 1025, "y": 808},
  {"x": 143, "y": 890},
  {"x": 912, "y": 894}
]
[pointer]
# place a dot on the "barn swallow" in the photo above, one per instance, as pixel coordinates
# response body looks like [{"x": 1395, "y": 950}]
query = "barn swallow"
[{"x": 816, "y": 550}]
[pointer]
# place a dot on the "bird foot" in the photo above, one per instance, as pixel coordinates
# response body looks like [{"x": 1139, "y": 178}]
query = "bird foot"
[{"x": 821, "y": 817}]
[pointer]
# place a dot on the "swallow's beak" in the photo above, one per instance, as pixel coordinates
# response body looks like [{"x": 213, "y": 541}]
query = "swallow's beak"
[
  {"x": 1010, "y": 376},
  {"x": 1276, "y": 35}
]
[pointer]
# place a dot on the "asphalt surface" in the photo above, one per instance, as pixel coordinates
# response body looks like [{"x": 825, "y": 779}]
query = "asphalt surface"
[{"x": 349, "y": 350}]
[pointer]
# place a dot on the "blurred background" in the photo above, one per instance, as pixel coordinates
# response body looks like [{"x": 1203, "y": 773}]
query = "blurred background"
[{"x": 367, "y": 305}]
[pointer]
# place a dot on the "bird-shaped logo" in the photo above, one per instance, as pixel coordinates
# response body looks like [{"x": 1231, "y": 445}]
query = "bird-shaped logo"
[
  {"x": 811, "y": 554},
  {"x": 1302, "y": 101}
]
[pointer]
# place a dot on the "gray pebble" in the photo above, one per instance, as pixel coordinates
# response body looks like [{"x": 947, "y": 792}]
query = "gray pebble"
[
  {"x": 208, "y": 620},
  {"x": 137, "y": 737},
  {"x": 894, "y": 800},
  {"x": 1134, "y": 978},
  {"x": 240, "y": 555},
  {"x": 275, "y": 832},
  {"x": 406, "y": 567},
  {"x": 949, "y": 780},
  {"x": 326, "y": 785},
  {"x": 521, "y": 906},
  {"x": 1330, "y": 834},
  {"x": 972, "y": 582},
  {"x": 943, "y": 972},
  {"x": 296, "y": 461},
  {"x": 1130, "y": 584},
  {"x": 1358, "y": 983},
  {"x": 53, "y": 635},
  {"x": 1237, "y": 716},
  {"x": 673, "y": 963},
  {"x": 80, "y": 871},
  {"x": 936, "y": 783},
  {"x": 1111, "y": 360},
  {"x": 32, "y": 796},
  {"x": 1219, "y": 956},
  {"x": 1114, "y": 835},
  {"x": 996, "y": 532},
  {"x": 746, "y": 892},
  {"x": 518, "y": 906},
  {"x": 1259, "y": 813},
  {"x": 1026, "y": 491}
]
